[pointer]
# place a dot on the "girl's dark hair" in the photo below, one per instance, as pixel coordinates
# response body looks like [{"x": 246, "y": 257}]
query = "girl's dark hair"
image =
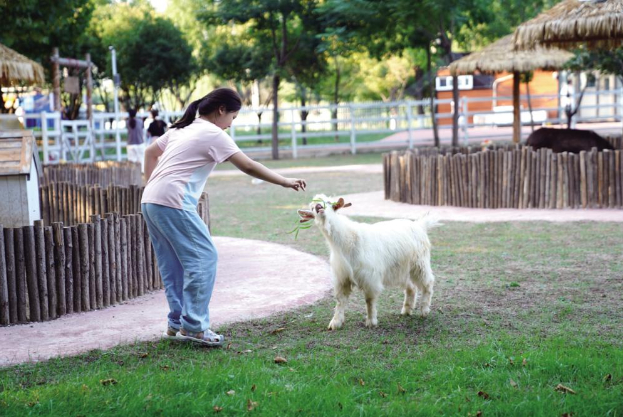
[
  {"x": 154, "y": 113},
  {"x": 132, "y": 122},
  {"x": 225, "y": 97}
]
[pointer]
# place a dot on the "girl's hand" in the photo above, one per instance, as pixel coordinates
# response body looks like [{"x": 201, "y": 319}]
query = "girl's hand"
[{"x": 295, "y": 184}]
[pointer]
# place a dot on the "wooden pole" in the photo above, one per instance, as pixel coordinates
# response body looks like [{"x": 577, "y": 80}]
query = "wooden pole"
[
  {"x": 105, "y": 264},
  {"x": 123, "y": 232},
  {"x": 77, "y": 272},
  {"x": 516, "y": 107},
  {"x": 97, "y": 260},
  {"x": 112, "y": 258},
  {"x": 42, "y": 280},
  {"x": 23, "y": 314},
  {"x": 51, "y": 272},
  {"x": 9, "y": 253},
  {"x": 5, "y": 317},
  {"x": 30, "y": 259},
  {"x": 56, "y": 80},
  {"x": 69, "y": 276},
  {"x": 59, "y": 255},
  {"x": 85, "y": 269}
]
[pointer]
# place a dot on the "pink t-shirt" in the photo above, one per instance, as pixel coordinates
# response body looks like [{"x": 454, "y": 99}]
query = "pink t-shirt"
[{"x": 189, "y": 156}]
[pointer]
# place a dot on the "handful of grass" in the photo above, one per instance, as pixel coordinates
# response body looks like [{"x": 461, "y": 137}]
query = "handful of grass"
[{"x": 301, "y": 224}]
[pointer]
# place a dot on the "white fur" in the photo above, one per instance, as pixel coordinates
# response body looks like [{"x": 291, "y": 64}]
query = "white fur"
[{"x": 373, "y": 256}]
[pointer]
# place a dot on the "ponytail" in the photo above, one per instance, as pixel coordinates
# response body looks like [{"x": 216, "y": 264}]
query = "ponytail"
[
  {"x": 132, "y": 121},
  {"x": 188, "y": 117},
  {"x": 221, "y": 97}
]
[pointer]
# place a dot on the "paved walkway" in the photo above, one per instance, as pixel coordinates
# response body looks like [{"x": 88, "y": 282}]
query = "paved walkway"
[{"x": 254, "y": 279}]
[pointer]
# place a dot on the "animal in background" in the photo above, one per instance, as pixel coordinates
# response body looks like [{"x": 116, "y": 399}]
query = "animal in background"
[{"x": 567, "y": 140}]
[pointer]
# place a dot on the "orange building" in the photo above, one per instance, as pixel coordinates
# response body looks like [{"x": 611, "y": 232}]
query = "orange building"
[{"x": 498, "y": 90}]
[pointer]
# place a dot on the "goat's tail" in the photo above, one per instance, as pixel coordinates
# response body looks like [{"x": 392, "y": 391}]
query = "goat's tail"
[{"x": 428, "y": 221}]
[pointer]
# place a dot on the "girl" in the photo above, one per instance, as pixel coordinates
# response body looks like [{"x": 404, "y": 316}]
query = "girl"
[
  {"x": 136, "y": 144},
  {"x": 177, "y": 166}
]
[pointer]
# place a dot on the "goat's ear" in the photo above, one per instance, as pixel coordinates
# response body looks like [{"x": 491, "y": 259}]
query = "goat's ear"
[
  {"x": 340, "y": 204},
  {"x": 305, "y": 215}
]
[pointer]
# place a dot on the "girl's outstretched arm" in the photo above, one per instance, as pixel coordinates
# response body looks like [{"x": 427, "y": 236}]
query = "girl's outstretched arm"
[
  {"x": 152, "y": 153},
  {"x": 257, "y": 170}
]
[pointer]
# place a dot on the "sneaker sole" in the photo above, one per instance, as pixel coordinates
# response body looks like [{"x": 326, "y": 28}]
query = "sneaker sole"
[{"x": 199, "y": 341}]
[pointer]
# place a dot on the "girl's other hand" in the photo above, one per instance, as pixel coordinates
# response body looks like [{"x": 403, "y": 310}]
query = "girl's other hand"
[{"x": 295, "y": 183}]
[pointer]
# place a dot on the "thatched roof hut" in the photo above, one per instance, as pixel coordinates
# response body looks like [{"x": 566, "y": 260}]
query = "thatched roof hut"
[
  {"x": 594, "y": 23},
  {"x": 501, "y": 56},
  {"x": 15, "y": 67}
]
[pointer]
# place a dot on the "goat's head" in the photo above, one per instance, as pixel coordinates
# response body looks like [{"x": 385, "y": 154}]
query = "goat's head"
[{"x": 321, "y": 207}]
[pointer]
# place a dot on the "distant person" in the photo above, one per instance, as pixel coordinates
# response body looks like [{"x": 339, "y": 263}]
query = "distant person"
[
  {"x": 156, "y": 128},
  {"x": 136, "y": 144}
]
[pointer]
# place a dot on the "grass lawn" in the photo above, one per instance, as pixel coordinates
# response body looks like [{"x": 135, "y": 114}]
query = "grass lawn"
[{"x": 519, "y": 309}]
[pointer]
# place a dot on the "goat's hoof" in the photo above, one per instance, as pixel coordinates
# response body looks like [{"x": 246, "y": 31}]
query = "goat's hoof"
[
  {"x": 424, "y": 312},
  {"x": 334, "y": 325},
  {"x": 371, "y": 323},
  {"x": 406, "y": 311}
]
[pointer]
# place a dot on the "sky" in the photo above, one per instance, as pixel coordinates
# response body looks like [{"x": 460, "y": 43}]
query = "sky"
[{"x": 159, "y": 5}]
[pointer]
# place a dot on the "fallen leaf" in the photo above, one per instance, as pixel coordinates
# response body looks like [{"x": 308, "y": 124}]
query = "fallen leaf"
[
  {"x": 85, "y": 388},
  {"x": 231, "y": 392},
  {"x": 513, "y": 383},
  {"x": 567, "y": 415},
  {"x": 109, "y": 381},
  {"x": 608, "y": 378},
  {"x": 382, "y": 394},
  {"x": 478, "y": 413},
  {"x": 253, "y": 387},
  {"x": 279, "y": 330},
  {"x": 562, "y": 388},
  {"x": 246, "y": 351},
  {"x": 279, "y": 359},
  {"x": 483, "y": 395},
  {"x": 292, "y": 370},
  {"x": 217, "y": 409},
  {"x": 510, "y": 360},
  {"x": 165, "y": 367},
  {"x": 251, "y": 405},
  {"x": 228, "y": 347},
  {"x": 362, "y": 382},
  {"x": 32, "y": 404},
  {"x": 401, "y": 390},
  {"x": 143, "y": 355},
  {"x": 524, "y": 362},
  {"x": 487, "y": 365}
]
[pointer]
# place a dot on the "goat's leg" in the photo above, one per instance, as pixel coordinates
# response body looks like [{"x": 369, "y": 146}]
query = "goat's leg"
[
  {"x": 425, "y": 285},
  {"x": 342, "y": 292},
  {"x": 371, "y": 319},
  {"x": 409, "y": 303}
]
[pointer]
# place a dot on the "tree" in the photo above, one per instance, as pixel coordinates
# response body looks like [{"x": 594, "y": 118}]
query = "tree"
[
  {"x": 34, "y": 27},
  {"x": 282, "y": 22},
  {"x": 152, "y": 54}
]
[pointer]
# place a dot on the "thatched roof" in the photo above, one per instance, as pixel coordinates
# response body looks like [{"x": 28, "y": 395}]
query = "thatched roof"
[
  {"x": 15, "y": 68},
  {"x": 501, "y": 56},
  {"x": 594, "y": 23}
]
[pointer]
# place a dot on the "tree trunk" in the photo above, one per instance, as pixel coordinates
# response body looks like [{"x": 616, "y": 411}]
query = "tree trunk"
[
  {"x": 304, "y": 114},
  {"x": 433, "y": 93},
  {"x": 259, "y": 126},
  {"x": 530, "y": 105},
  {"x": 455, "y": 113},
  {"x": 336, "y": 97},
  {"x": 275, "y": 131},
  {"x": 516, "y": 107}
]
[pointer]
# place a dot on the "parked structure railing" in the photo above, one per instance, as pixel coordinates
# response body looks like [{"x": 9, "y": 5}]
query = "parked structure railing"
[{"x": 347, "y": 127}]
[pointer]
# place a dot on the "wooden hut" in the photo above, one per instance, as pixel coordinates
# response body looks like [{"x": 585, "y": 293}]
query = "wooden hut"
[
  {"x": 20, "y": 170},
  {"x": 596, "y": 24},
  {"x": 501, "y": 56}
]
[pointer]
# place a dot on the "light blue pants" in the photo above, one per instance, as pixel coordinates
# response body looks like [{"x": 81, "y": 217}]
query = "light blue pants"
[{"x": 187, "y": 262}]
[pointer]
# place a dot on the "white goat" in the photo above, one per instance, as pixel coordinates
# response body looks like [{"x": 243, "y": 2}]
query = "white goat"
[{"x": 372, "y": 256}]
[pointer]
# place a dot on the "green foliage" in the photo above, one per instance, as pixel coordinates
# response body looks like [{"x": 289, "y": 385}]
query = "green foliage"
[
  {"x": 151, "y": 52},
  {"x": 605, "y": 61}
]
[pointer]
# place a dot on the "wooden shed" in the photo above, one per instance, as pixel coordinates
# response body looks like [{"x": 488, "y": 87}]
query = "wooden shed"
[{"x": 20, "y": 171}]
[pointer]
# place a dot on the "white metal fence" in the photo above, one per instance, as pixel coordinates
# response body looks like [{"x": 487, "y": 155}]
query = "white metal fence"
[{"x": 346, "y": 127}]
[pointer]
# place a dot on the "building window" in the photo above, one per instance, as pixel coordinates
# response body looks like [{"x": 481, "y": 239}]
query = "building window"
[{"x": 466, "y": 82}]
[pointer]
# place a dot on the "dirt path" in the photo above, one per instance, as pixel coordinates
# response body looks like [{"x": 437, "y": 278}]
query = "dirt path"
[{"x": 254, "y": 279}]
